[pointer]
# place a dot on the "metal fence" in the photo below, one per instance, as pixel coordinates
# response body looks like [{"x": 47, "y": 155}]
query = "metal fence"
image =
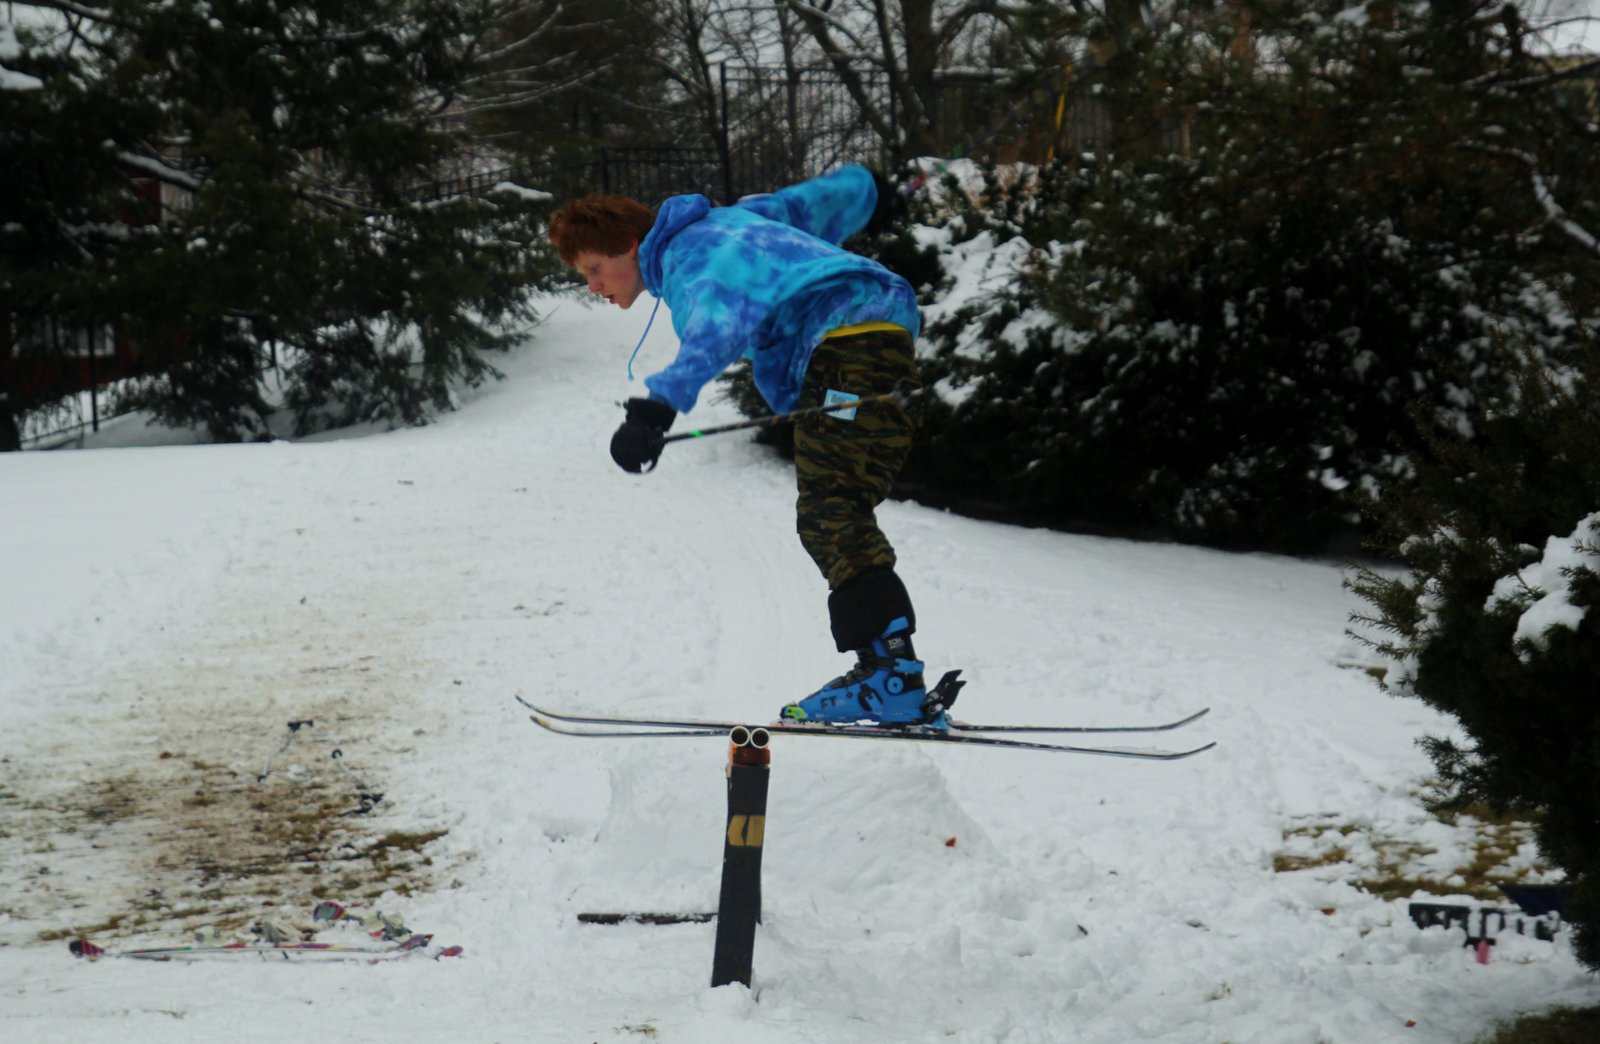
[
  {"x": 651, "y": 174},
  {"x": 69, "y": 421},
  {"x": 773, "y": 126},
  {"x": 784, "y": 125},
  {"x": 777, "y": 125}
]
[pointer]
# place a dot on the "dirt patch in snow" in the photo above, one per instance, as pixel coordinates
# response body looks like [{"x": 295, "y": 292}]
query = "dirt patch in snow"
[{"x": 203, "y": 795}]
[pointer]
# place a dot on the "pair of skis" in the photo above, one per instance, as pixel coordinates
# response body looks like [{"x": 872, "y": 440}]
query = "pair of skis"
[
  {"x": 605, "y": 725},
  {"x": 416, "y": 945}
]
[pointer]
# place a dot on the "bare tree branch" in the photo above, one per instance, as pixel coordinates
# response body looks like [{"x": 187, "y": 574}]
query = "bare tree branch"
[
  {"x": 81, "y": 10},
  {"x": 821, "y": 26}
]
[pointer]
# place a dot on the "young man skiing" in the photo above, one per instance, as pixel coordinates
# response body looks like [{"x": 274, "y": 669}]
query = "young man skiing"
[{"x": 765, "y": 279}]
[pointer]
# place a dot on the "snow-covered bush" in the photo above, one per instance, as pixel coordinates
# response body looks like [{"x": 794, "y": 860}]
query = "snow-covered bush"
[
  {"x": 1221, "y": 341},
  {"x": 1218, "y": 332},
  {"x": 1495, "y": 621},
  {"x": 1228, "y": 371}
]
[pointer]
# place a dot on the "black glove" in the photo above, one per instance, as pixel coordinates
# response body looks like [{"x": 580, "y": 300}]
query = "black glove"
[
  {"x": 638, "y": 442},
  {"x": 891, "y": 208}
]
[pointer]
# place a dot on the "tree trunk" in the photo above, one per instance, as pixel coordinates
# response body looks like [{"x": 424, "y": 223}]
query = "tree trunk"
[{"x": 917, "y": 89}]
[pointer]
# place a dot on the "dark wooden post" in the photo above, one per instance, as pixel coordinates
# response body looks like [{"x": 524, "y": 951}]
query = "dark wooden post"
[{"x": 739, "y": 906}]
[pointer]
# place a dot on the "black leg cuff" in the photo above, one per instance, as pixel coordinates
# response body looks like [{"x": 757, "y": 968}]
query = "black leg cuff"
[{"x": 863, "y": 606}]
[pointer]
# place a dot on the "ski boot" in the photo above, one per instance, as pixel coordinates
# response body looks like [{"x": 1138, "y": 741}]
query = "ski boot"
[{"x": 885, "y": 687}]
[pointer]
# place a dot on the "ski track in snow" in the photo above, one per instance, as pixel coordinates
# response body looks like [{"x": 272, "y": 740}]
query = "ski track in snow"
[{"x": 171, "y": 608}]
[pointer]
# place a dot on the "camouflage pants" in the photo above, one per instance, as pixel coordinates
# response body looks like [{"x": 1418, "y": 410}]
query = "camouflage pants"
[{"x": 844, "y": 468}]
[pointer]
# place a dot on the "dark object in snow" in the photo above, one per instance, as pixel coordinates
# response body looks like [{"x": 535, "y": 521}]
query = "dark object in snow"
[
  {"x": 1536, "y": 900},
  {"x": 1443, "y": 915},
  {"x": 646, "y": 918},
  {"x": 367, "y": 798},
  {"x": 1447, "y": 915}
]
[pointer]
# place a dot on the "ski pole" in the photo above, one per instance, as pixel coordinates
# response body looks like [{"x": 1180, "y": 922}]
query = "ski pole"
[{"x": 903, "y": 393}]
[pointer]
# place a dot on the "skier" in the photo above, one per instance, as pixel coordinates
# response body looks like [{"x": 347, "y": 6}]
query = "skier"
[{"x": 765, "y": 279}]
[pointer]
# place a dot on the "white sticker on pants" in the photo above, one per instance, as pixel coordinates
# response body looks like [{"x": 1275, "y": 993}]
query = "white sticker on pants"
[{"x": 833, "y": 396}]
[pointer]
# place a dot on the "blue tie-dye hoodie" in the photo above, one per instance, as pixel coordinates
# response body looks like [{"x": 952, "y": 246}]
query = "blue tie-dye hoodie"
[{"x": 764, "y": 278}]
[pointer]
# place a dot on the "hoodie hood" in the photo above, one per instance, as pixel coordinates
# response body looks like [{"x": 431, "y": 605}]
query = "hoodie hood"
[{"x": 671, "y": 217}]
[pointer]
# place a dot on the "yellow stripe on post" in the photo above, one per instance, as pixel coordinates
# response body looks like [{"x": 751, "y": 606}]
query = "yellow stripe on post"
[{"x": 746, "y": 831}]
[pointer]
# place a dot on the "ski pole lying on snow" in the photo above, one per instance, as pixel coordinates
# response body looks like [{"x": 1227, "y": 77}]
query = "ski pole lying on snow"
[{"x": 903, "y": 393}]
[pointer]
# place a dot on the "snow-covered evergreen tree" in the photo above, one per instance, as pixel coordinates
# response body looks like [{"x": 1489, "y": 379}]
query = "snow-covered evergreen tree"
[
  {"x": 284, "y": 143},
  {"x": 1495, "y": 621}
]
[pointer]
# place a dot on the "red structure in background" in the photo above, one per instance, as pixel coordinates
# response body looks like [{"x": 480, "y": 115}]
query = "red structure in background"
[
  {"x": 98, "y": 357},
  {"x": 48, "y": 362}
]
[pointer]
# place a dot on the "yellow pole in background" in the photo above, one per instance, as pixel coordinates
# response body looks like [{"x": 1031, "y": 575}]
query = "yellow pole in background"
[{"x": 1061, "y": 110}]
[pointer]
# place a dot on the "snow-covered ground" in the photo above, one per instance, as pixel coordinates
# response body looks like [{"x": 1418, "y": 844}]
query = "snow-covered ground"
[{"x": 166, "y": 610}]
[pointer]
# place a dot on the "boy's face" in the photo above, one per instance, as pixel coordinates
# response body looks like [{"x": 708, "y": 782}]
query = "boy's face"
[{"x": 615, "y": 278}]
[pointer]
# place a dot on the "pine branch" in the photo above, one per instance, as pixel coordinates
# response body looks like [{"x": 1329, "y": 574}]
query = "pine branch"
[
  {"x": 502, "y": 102},
  {"x": 1549, "y": 76},
  {"x": 1555, "y": 213},
  {"x": 154, "y": 168},
  {"x": 547, "y": 66}
]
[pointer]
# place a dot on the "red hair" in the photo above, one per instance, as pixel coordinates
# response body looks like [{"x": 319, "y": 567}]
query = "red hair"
[{"x": 599, "y": 224}]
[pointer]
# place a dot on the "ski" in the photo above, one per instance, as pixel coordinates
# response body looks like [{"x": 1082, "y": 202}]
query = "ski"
[
  {"x": 591, "y": 726},
  {"x": 1166, "y": 726},
  {"x": 415, "y": 945},
  {"x": 958, "y": 726}
]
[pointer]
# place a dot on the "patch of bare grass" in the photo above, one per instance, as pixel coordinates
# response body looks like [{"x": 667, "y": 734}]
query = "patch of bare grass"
[{"x": 1393, "y": 867}]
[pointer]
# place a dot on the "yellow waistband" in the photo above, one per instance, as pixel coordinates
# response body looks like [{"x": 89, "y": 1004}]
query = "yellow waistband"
[{"x": 863, "y": 328}]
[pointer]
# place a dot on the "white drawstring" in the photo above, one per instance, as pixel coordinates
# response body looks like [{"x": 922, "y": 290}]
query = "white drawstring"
[{"x": 642, "y": 336}]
